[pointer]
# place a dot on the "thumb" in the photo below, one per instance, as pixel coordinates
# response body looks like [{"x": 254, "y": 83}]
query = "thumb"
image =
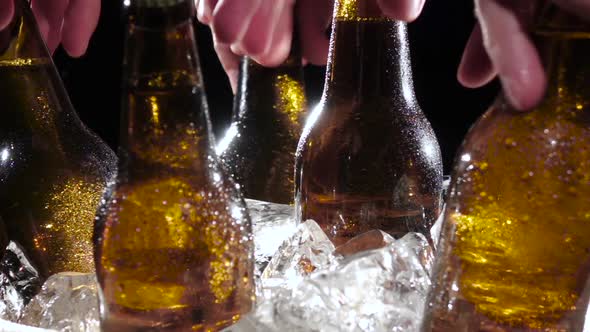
[
  {"x": 511, "y": 52},
  {"x": 405, "y": 10},
  {"x": 229, "y": 61}
]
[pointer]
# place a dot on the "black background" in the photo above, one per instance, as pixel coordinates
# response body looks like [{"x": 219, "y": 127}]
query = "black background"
[{"x": 436, "y": 40}]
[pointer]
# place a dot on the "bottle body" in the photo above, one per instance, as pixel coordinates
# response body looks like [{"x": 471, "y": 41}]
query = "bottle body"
[
  {"x": 259, "y": 148},
  {"x": 173, "y": 245},
  {"x": 182, "y": 263},
  {"x": 515, "y": 245},
  {"x": 53, "y": 170},
  {"x": 368, "y": 158}
]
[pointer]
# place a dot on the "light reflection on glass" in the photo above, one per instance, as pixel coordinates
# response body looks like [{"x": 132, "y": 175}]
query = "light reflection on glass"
[
  {"x": 312, "y": 118},
  {"x": 229, "y": 136},
  {"x": 587, "y": 320},
  {"x": 429, "y": 149},
  {"x": 4, "y": 155}
]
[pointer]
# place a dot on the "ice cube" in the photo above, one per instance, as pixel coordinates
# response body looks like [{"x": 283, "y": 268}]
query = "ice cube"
[
  {"x": 370, "y": 240},
  {"x": 272, "y": 224},
  {"x": 382, "y": 289},
  {"x": 415, "y": 249},
  {"x": 261, "y": 320},
  {"x": 436, "y": 229},
  {"x": 305, "y": 251},
  {"x": 19, "y": 282},
  {"x": 376, "y": 290},
  {"x": 6, "y": 326},
  {"x": 67, "y": 302}
]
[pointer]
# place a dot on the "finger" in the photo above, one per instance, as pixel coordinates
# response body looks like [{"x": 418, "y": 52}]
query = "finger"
[
  {"x": 512, "y": 54},
  {"x": 49, "y": 15},
  {"x": 80, "y": 21},
  {"x": 405, "y": 10},
  {"x": 314, "y": 19},
  {"x": 577, "y": 7},
  {"x": 229, "y": 61},
  {"x": 6, "y": 12},
  {"x": 205, "y": 10},
  {"x": 280, "y": 40},
  {"x": 258, "y": 38},
  {"x": 476, "y": 68},
  {"x": 231, "y": 19}
]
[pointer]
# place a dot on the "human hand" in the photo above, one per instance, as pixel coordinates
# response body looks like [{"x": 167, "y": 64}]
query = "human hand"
[
  {"x": 69, "y": 22},
  {"x": 500, "y": 45},
  {"x": 262, "y": 29}
]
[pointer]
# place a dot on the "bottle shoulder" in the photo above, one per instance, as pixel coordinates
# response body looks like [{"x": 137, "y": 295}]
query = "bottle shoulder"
[
  {"x": 523, "y": 157},
  {"x": 549, "y": 127},
  {"x": 385, "y": 127},
  {"x": 35, "y": 157},
  {"x": 392, "y": 111},
  {"x": 377, "y": 148}
]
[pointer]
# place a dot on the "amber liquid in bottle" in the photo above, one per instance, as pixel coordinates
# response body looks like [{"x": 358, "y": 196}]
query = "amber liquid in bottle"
[
  {"x": 174, "y": 245},
  {"x": 368, "y": 158},
  {"x": 515, "y": 249},
  {"x": 259, "y": 147},
  {"x": 53, "y": 170}
]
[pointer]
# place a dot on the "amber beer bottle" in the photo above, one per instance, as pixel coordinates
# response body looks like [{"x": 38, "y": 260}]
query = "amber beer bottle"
[
  {"x": 53, "y": 170},
  {"x": 269, "y": 109},
  {"x": 174, "y": 244},
  {"x": 515, "y": 249},
  {"x": 368, "y": 158}
]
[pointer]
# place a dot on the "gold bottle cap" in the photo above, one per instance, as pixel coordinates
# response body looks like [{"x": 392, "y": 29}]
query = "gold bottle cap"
[{"x": 358, "y": 10}]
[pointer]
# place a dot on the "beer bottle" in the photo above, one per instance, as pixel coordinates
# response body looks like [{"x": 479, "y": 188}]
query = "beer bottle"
[
  {"x": 368, "y": 158},
  {"x": 515, "y": 247},
  {"x": 259, "y": 147},
  {"x": 174, "y": 245},
  {"x": 53, "y": 170}
]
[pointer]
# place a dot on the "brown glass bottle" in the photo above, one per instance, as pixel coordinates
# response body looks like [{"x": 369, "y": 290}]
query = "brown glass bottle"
[
  {"x": 515, "y": 248},
  {"x": 53, "y": 170},
  {"x": 174, "y": 245},
  {"x": 269, "y": 109},
  {"x": 368, "y": 158}
]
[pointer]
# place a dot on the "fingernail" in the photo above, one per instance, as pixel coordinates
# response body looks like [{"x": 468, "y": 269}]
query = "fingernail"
[
  {"x": 237, "y": 49},
  {"x": 232, "y": 75},
  {"x": 511, "y": 89},
  {"x": 418, "y": 5},
  {"x": 202, "y": 16},
  {"x": 524, "y": 90}
]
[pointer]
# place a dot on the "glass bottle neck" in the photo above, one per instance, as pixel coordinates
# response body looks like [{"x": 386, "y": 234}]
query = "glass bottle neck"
[
  {"x": 158, "y": 14},
  {"x": 283, "y": 83},
  {"x": 31, "y": 78},
  {"x": 563, "y": 42},
  {"x": 369, "y": 55},
  {"x": 160, "y": 38},
  {"x": 285, "y": 80},
  {"x": 567, "y": 67},
  {"x": 20, "y": 40},
  {"x": 165, "y": 118}
]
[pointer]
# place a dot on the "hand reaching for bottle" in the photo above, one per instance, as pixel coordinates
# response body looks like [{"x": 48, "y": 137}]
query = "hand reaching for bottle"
[
  {"x": 262, "y": 29},
  {"x": 500, "y": 45},
  {"x": 69, "y": 22}
]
